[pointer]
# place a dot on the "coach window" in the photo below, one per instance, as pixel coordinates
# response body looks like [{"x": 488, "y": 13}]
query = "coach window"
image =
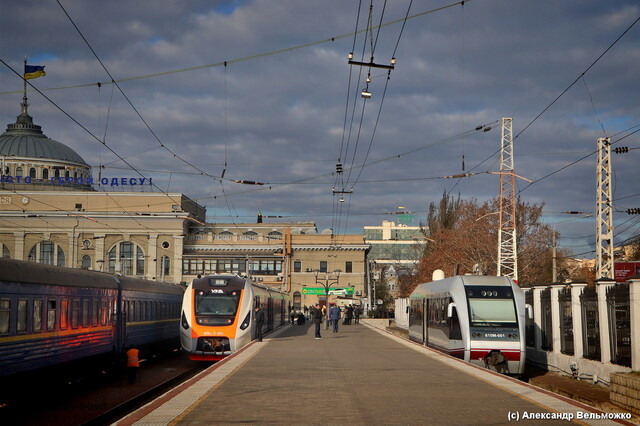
[
  {"x": 85, "y": 312},
  {"x": 21, "y": 323},
  {"x": 51, "y": 314},
  {"x": 5, "y": 305},
  {"x": 103, "y": 313},
  {"x": 37, "y": 315},
  {"x": 130, "y": 257},
  {"x": 94, "y": 312},
  {"x": 47, "y": 252},
  {"x": 64, "y": 313},
  {"x": 75, "y": 313},
  {"x": 5, "y": 252}
]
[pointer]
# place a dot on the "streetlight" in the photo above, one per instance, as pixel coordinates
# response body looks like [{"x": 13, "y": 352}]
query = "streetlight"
[{"x": 327, "y": 285}]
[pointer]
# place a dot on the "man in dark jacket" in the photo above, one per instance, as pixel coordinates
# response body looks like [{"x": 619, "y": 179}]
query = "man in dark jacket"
[
  {"x": 259, "y": 315},
  {"x": 317, "y": 319}
]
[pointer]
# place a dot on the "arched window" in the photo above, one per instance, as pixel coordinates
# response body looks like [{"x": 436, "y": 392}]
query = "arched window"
[
  {"x": 165, "y": 266},
  {"x": 45, "y": 173},
  {"x": 275, "y": 235},
  {"x": 66, "y": 174},
  {"x": 225, "y": 235},
  {"x": 249, "y": 235},
  {"x": 32, "y": 172},
  {"x": 5, "y": 252},
  {"x": 47, "y": 252},
  {"x": 18, "y": 171},
  {"x": 297, "y": 299},
  {"x": 129, "y": 258},
  {"x": 56, "y": 173},
  {"x": 86, "y": 262}
]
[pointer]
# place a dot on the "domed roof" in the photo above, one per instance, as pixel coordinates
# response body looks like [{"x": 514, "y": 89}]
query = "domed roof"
[{"x": 25, "y": 139}]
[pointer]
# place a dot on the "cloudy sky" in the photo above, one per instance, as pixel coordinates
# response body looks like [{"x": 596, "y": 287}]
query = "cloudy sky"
[{"x": 287, "y": 106}]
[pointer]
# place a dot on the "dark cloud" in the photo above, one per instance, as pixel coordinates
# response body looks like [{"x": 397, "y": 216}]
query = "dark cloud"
[{"x": 280, "y": 119}]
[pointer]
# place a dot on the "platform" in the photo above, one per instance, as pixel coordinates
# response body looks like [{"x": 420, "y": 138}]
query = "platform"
[{"x": 359, "y": 376}]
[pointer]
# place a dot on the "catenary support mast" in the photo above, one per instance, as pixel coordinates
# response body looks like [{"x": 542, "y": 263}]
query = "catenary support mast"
[
  {"x": 604, "y": 222},
  {"x": 507, "y": 251}
]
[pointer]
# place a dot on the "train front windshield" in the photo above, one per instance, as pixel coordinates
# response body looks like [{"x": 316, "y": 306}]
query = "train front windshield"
[
  {"x": 491, "y": 306},
  {"x": 217, "y": 304}
]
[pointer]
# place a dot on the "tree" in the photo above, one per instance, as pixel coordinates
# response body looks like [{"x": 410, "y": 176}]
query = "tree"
[{"x": 462, "y": 237}]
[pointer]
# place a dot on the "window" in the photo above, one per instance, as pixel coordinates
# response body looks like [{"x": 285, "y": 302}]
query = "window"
[
  {"x": 5, "y": 252},
  {"x": 128, "y": 257},
  {"x": 275, "y": 235},
  {"x": 66, "y": 174},
  {"x": 21, "y": 323},
  {"x": 85, "y": 313},
  {"x": 249, "y": 235},
  {"x": 297, "y": 266},
  {"x": 165, "y": 266},
  {"x": 19, "y": 171},
  {"x": 45, "y": 173},
  {"x": 86, "y": 262},
  {"x": 323, "y": 266},
  {"x": 225, "y": 235},
  {"x": 51, "y": 314},
  {"x": 265, "y": 267},
  {"x": 94, "y": 312},
  {"x": 32, "y": 172},
  {"x": 37, "y": 315},
  {"x": 64, "y": 314},
  {"x": 5, "y": 305},
  {"x": 348, "y": 266},
  {"x": 47, "y": 252},
  {"x": 103, "y": 313},
  {"x": 75, "y": 313}
]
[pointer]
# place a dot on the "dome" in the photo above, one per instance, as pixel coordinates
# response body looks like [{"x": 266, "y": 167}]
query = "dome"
[{"x": 26, "y": 140}]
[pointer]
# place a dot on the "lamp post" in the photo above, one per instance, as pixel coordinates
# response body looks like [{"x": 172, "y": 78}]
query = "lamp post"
[{"x": 327, "y": 286}]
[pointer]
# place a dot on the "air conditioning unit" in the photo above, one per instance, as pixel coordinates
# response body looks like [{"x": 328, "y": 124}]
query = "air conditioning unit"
[
  {"x": 358, "y": 293},
  {"x": 308, "y": 270},
  {"x": 280, "y": 277}
]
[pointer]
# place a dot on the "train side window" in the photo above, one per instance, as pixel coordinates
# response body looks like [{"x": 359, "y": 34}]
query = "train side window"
[
  {"x": 85, "y": 312},
  {"x": 37, "y": 315},
  {"x": 21, "y": 324},
  {"x": 103, "y": 313},
  {"x": 94, "y": 313},
  {"x": 51, "y": 314},
  {"x": 75, "y": 313},
  {"x": 131, "y": 309},
  {"x": 5, "y": 306},
  {"x": 455, "y": 333},
  {"x": 64, "y": 313}
]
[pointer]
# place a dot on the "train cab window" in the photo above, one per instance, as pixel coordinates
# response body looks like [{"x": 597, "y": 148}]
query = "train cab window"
[
  {"x": 94, "y": 312},
  {"x": 51, "y": 314},
  {"x": 37, "y": 315},
  {"x": 75, "y": 313},
  {"x": 5, "y": 306},
  {"x": 21, "y": 323},
  {"x": 85, "y": 313},
  {"x": 64, "y": 313}
]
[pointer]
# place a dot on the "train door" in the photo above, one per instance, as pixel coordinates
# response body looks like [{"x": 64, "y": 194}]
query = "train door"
[
  {"x": 270, "y": 316},
  {"x": 425, "y": 321}
]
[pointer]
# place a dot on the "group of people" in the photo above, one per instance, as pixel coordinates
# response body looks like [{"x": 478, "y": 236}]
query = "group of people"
[{"x": 318, "y": 313}]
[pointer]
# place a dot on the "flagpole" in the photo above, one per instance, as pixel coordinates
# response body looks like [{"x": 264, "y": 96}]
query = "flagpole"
[{"x": 24, "y": 80}]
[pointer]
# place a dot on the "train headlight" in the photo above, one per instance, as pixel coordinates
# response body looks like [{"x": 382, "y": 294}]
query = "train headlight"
[
  {"x": 184, "y": 322},
  {"x": 246, "y": 322}
]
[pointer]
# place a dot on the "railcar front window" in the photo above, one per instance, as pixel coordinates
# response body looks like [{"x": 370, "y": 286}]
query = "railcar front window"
[
  {"x": 217, "y": 303},
  {"x": 492, "y": 311}
]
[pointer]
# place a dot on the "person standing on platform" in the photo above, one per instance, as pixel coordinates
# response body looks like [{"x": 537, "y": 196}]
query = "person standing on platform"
[
  {"x": 334, "y": 316},
  {"x": 317, "y": 319},
  {"x": 259, "y": 315},
  {"x": 133, "y": 364}
]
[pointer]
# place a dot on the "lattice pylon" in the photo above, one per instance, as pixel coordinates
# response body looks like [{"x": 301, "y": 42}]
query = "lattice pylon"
[
  {"x": 507, "y": 247},
  {"x": 604, "y": 201}
]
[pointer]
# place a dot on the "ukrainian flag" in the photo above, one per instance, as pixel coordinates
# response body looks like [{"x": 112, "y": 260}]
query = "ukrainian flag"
[{"x": 33, "y": 71}]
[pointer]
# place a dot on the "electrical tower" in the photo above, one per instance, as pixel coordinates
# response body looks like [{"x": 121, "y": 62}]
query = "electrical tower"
[
  {"x": 507, "y": 252},
  {"x": 604, "y": 221}
]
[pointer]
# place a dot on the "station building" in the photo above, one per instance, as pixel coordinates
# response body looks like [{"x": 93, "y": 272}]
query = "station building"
[{"x": 53, "y": 211}]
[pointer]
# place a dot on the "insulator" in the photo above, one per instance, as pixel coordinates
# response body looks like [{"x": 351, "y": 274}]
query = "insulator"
[{"x": 339, "y": 168}]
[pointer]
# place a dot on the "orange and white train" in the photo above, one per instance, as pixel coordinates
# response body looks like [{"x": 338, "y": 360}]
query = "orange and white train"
[{"x": 218, "y": 315}]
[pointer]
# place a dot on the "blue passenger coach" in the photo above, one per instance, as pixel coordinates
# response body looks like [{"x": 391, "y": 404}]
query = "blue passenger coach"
[{"x": 50, "y": 315}]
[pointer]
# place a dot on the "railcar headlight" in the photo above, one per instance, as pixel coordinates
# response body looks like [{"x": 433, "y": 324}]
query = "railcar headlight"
[
  {"x": 185, "y": 323},
  {"x": 246, "y": 322}
]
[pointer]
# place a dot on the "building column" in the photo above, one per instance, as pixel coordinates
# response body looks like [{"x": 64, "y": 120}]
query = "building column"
[
  {"x": 576, "y": 317},
  {"x": 178, "y": 244},
  {"x": 555, "y": 318},
  {"x": 99, "y": 261},
  {"x": 18, "y": 246},
  {"x": 634, "y": 301},
  {"x": 603, "y": 319},
  {"x": 537, "y": 315},
  {"x": 152, "y": 256}
]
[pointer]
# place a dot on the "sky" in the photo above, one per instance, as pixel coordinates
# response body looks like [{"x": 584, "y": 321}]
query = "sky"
[{"x": 211, "y": 96}]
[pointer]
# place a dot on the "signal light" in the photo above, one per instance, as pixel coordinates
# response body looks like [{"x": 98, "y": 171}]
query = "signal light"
[
  {"x": 621, "y": 150},
  {"x": 633, "y": 211}
]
